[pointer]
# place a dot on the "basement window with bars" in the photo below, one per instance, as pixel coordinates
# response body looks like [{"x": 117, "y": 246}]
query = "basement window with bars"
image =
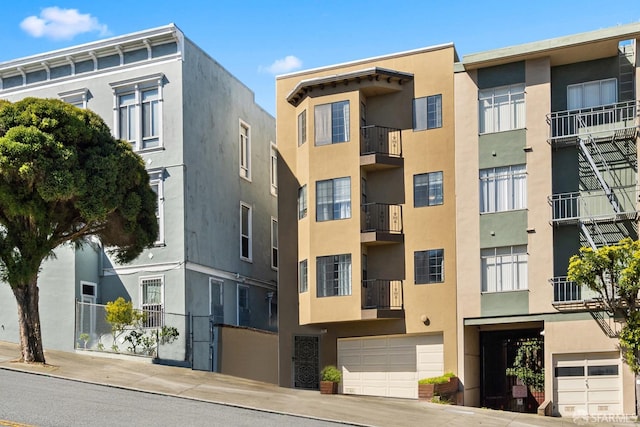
[{"x": 152, "y": 307}]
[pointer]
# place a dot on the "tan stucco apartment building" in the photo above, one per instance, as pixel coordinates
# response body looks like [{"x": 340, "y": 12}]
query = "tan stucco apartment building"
[{"x": 431, "y": 206}]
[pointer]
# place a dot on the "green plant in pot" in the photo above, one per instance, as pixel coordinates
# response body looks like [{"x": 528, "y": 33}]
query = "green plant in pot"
[{"x": 330, "y": 376}]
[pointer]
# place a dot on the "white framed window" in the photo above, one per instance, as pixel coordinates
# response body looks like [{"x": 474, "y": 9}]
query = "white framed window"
[
  {"x": 89, "y": 294},
  {"x": 302, "y": 201},
  {"x": 504, "y": 268},
  {"x": 428, "y": 266},
  {"x": 243, "y": 311},
  {"x": 303, "y": 278},
  {"x": 274, "y": 170},
  {"x": 333, "y": 275},
  {"x": 592, "y": 94},
  {"x": 156, "y": 181},
  {"x": 138, "y": 111},
  {"x": 332, "y": 123},
  {"x": 427, "y": 189},
  {"x": 274, "y": 243},
  {"x": 302, "y": 127},
  {"x": 427, "y": 112},
  {"x": 152, "y": 297},
  {"x": 216, "y": 299},
  {"x": 245, "y": 232},
  {"x": 245, "y": 151},
  {"x": 333, "y": 199},
  {"x": 502, "y": 108},
  {"x": 78, "y": 97},
  {"x": 503, "y": 188}
]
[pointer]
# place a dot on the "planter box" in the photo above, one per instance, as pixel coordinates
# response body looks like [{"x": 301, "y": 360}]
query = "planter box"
[
  {"x": 328, "y": 387},
  {"x": 427, "y": 391}
]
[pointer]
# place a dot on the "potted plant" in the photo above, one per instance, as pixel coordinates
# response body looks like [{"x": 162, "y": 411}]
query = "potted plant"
[
  {"x": 443, "y": 385},
  {"x": 330, "y": 376}
]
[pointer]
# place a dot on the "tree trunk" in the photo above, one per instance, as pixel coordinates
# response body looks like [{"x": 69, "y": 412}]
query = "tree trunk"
[{"x": 29, "y": 322}]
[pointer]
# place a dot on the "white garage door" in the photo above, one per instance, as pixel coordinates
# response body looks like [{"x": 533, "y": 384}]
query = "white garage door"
[
  {"x": 588, "y": 384},
  {"x": 389, "y": 366}
]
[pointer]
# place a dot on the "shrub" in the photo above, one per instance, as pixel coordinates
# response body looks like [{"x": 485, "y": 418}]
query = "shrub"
[
  {"x": 331, "y": 373},
  {"x": 442, "y": 379}
]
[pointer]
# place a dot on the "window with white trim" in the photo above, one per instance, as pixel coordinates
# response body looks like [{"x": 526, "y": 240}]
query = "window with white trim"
[
  {"x": 502, "y": 108},
  {"x": 274, "y": 170},
  {"x": 274, "y": 243},
  {"x": 151, "y": 293},
  {"x": 333, "y": 275},
  {"x": 427, "y": 189},
  {"x": 428, "y": 266},
  {"x": 156, "y": 181},
  {"x": 503, "y": 188},
  {"x": 303, "y": 278},
  {"x": 332, "y": 123},
  {"x": 302, "y": 201},
  {"x": 333, "y": 199},
  {"x": 427, "y": 112},
  {"x": 245, "y": 232},
  {"x": 592, "y": 94},
  {"x": 77, "y": 98},
  {"x": 504, "y": 268},
  {"x": 138, "y": 111},
  {"x": 216, "y": 299},
  {"x": 245, "y": 150},
  {"x": 302, "y": 127}
]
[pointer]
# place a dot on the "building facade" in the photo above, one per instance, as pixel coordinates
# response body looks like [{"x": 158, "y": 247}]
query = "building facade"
[
  {"x": 367, "y": 190},
  {"x": 546, "y": 138},
  {"x": 210, "y": 153}
]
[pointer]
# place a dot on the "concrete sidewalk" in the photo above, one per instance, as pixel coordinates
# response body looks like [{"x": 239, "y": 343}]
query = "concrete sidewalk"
[{"x": 142, "y": 375}]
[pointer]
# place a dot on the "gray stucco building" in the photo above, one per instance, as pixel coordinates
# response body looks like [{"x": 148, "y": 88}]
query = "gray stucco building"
[{"x": 210, "y": 152}]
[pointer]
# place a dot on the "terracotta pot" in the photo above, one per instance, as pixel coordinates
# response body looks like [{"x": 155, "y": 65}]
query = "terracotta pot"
[{"x": 328, "y": 387}]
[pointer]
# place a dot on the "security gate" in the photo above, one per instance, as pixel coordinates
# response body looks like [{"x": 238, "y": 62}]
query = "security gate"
[{"x": 306, "y": 361}]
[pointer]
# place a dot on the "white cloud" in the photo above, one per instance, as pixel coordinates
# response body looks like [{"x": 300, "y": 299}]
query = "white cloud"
[
  {"x": 284, "y": 65},
  {"x": 62, "y": 24}
]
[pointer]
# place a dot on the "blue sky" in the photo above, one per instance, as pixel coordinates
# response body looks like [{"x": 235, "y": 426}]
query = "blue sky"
[{"x": 258, "y": 39}]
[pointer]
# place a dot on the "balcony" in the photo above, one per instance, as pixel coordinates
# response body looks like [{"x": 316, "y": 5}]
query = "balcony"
[
  {"x": 568, "y": 295},
  {"x": 381, "y": 223},
  {"x": 382, "y": 299},
  {"x": 594, "y": 206},
  {"x": 606, "y": 122},
  {"x": 380, "y": 148}
]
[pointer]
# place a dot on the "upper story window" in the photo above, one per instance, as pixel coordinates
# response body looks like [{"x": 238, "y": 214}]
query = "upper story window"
[
  {"x": 333, "y": 275},
  {"x": 138, "y": 111},
  {"x": 332, "y": 123},
  {"x": 273, "y": 170},
  {"x": 245, "y": 150},
  {"x": 429, "y": 266},
  {"x": 77, "y": 98},
  {"x": 303, "y": 280},
  {"x": 151, "y": 290},
  {"x": 503, "y": 188},
  {"x": 302, "y": 201},
  {"x": 333, "y": 199},
  {"x": 245, "y": 231},
  {"x": 592, "y": 94},
  {"x": 427, "y": 112},
  {"x": 502, "y": 108},
  {"x": 156, "y": 181},
  {"x": 274, "y": 243},
  {"x": 504, "y": 269},
  {"x": 427, "y": 189},
  {"x": 302, "y": 127}
]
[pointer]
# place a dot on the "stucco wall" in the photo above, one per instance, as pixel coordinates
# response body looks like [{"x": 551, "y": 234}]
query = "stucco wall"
[{"x": 248, "y": 353}]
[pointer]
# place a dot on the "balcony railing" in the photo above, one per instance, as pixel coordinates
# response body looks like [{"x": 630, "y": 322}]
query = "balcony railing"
[
  {"x": 567, "y": 125},
  {"x": 593, "y": 205},
  {"x": 380, "y": 140},
  {"x": 382, "y": 294},
  {"x": 381, "y": 217},
  {"x": 565, "y": 291}
]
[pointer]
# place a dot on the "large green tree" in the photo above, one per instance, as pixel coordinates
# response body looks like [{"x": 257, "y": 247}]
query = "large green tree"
[
  {"x": 63, "y": 178},
  {"x": 613, "y": 272}
]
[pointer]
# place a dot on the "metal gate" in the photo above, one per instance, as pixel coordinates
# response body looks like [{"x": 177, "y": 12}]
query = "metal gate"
[
  {"x": 306, "y": 361},
  {"x": 203, "y": 343}
]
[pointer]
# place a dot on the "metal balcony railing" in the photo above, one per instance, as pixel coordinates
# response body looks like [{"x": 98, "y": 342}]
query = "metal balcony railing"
[
  {"x": 381, "y": 217},
  {"x": 382, "y": 294},
  {"x": 565, "y": 290},
  {"x": 380, "y": 140},
  {"x": 593, "y": 205},
  {"x": 564, "y": 125}
]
